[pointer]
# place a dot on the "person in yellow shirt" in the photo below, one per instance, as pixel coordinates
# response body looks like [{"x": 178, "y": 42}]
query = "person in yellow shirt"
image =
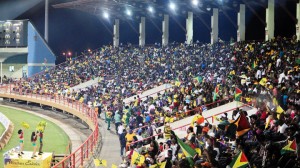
[
  {"x": 129, "y": 138},
  {"x": 167, "y": 131}
]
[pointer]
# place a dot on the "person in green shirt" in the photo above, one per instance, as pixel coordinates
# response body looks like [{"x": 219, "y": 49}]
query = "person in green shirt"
[
  {"x": 108, "y": 119},
  {"x": 117, "y": 118}
]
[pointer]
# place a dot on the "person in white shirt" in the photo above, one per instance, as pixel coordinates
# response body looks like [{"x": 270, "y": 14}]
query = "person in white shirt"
[
  {"x": 278, "y": 62},
  {"x": 120, "y": 129},
  {"x": 258, "y": 74}
]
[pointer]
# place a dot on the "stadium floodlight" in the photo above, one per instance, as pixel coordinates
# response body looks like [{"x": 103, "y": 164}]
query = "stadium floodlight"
[
  {"x": 150, "y": 9},
  {"x": 128, "y": 12},
  {"x": 172, "y": 6},
  {"x": 195, "y": 2},
  {"x": 105, "y": 15}
]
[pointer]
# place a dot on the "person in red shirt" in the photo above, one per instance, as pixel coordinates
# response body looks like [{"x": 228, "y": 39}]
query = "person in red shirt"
[{"x": 21, "y": 141}]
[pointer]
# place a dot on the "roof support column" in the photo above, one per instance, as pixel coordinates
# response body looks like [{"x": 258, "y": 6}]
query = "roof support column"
[
  {"x": 116, "y": 33},
  {"x": 142, "y": 32},
  {"x": 165, "y": 30},
  {"x": 214, "y": 26},
  {"x": 269, "y": 30},
  {"x": 189, "y": 28},
  {"x": 241, "y": 23}
]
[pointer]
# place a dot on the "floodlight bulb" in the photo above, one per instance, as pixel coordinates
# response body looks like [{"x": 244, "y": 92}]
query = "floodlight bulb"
[
  {"x": 195, "y": 2},
  {"x": 172, "y": 6},
  {"x": 128, "y": 12},
  {"x": 105, "y": 15},
  {"x": 150, "y": 9}
]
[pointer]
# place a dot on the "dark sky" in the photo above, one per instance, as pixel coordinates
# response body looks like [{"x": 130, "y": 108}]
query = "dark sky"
[{"x": 76, "y": 31}]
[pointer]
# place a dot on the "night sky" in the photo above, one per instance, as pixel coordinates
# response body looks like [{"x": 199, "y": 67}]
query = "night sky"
[{"x": 76, "y": 31}]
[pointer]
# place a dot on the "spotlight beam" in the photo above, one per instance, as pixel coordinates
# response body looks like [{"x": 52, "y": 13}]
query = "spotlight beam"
[
  {"x": 230, "y": 20},
  {"x": 180, "y": 25},
  {"x": 254, "y": 12}
]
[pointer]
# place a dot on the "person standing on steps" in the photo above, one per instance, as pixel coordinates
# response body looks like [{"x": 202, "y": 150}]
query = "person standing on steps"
[
  {"x": 108, "y": 119},
  {"x": 122, "y": 139},
  {"x": 117, "y": 118}
]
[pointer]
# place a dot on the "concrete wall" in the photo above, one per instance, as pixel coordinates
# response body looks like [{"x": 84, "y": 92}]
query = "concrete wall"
[{"x": 150, "y": 92}]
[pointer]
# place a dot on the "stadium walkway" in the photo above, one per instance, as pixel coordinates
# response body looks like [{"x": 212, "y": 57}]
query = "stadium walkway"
[{"x": 110, "y": 145}]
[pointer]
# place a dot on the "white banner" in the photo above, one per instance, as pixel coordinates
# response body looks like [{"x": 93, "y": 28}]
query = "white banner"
[{"x": 4, "y": 121}]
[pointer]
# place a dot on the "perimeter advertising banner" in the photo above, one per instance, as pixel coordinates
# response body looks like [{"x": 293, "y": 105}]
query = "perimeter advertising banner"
[{"x": 41, "y": 161}]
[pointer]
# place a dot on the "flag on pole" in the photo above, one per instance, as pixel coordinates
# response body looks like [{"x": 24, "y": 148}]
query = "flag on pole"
[
  {"x": 237, "y": 94},
  {"x": 187, "y": 151},
  {"x": 100, "y": 162},
  {"x": 290, "y": 147},
  {"x": 239, "y": 161}
]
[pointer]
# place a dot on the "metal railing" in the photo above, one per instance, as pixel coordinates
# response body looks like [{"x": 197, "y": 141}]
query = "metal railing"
[{"x": 76, "y": 158}]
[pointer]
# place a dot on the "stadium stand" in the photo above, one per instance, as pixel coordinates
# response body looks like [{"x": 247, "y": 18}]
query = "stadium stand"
[{"x": 264, "y": 75}]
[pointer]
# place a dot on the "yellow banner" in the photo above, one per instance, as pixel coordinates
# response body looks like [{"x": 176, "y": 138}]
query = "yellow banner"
[{"x": 28, "y": 163}]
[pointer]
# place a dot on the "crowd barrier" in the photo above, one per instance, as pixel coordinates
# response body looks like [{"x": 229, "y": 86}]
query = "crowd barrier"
[{"x": 80, "y": 110}]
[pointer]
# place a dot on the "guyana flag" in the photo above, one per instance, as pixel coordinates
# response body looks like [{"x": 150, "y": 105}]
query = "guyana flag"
[
  {"x": 290, "y": 147},
  {"x": 187, "y": 151},
  {"x": 254, "y": 65},
  {"x": 216, "y": 92},
  {"x": 237, "y": 94},
  {"x": 239, "y": 127},
  {"x": 198, "y": 79},
  {"x": 239, "y": 161}
]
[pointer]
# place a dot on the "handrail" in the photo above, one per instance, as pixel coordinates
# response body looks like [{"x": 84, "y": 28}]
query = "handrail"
[{"x": 87, "y": 114}]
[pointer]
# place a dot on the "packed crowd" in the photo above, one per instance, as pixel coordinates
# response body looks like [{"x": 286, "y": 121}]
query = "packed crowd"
[{"x": 266, "y": 72}]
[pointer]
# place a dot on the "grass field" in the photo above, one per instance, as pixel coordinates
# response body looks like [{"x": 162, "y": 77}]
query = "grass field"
[{"x": 55, "y": 139}]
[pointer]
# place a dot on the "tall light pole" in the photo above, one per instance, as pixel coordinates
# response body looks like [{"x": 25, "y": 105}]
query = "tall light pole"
[{"x": 46, "y": 19}]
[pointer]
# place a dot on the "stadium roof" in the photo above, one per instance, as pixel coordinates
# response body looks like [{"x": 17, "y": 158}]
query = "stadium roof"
[{"x": 118, "y": 8}]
